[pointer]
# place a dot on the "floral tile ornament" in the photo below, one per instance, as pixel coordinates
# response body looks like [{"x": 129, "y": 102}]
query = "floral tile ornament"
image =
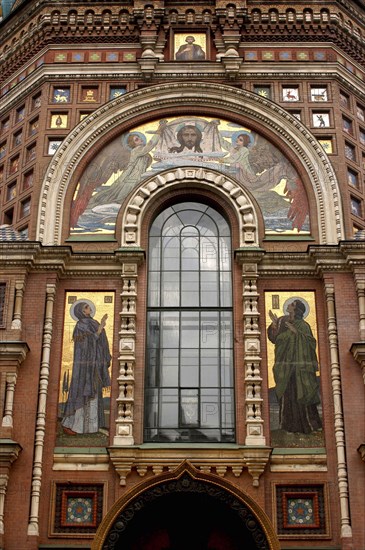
[
  {"x": 302, "y": 56},
  {"x": 302, "y": 511},
  {"x": 78, "y": 57},
  {"x": 319, "y": 56},
  {"x": 94, "y": 56},
  {"x": 251, "y": 56},
  {"x": 285, "y": 56},
  {"x": 129, "y": 56},
  {"x": 112, "y": 56},
  {"x": 60, "y": 57},
  {"x": 77, "y": 509}
]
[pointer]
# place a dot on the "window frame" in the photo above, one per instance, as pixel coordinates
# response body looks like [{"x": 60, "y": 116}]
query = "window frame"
[{"x": 156, "y": 310}]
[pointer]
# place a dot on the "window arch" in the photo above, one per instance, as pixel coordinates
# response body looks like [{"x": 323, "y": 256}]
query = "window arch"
[{"x": 189, "y": 392}]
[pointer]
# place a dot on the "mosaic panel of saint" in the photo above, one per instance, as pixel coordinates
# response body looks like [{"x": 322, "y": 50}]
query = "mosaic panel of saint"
[
  {"x": 85, "y": 380},
  {"x": 293, "y": 370}
]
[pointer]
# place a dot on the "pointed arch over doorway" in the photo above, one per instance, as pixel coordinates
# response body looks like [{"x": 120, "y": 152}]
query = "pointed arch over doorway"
[
  {"x": 156, "y": 101},
  {"x": 183, "y": 509}
]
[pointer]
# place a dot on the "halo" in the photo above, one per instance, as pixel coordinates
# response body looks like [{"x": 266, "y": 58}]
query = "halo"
[
  {"x": 132, "y": 133},
  {"x": 236, "y": 134},
  {"x": 89, "y": 302},
  {"x": 292, "y": 299},
  {"x": 189, "y": 123}
]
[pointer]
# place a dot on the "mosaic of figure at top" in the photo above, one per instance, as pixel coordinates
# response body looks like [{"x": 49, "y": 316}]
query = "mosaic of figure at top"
[{"x": 208, "y": 143}]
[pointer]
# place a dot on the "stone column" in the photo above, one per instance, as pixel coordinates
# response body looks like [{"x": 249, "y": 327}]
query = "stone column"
[
  {"x": 342, "y": 476},
  {"x": 9, "y": 399},
  {"x": 33, "y": 527},
  {"x": 16, "y": 323}
]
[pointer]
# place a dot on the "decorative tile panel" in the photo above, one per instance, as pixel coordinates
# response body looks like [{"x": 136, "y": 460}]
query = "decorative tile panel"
[
  {"x": 77, "y": 509},
  {"x": 301, "y": 511}
]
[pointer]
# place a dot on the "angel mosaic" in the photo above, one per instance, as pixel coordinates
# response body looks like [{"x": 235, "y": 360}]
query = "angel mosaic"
[{"x": 190, "y": 141}]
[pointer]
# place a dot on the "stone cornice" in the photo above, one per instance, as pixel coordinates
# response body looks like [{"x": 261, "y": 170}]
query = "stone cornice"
[
  {"x": 33, "y": 257},
  {"x": 138, "y": 22},
  {"x": 168, "y": 71},
  {"x": 9, "y": 451},
  {"x": 312, "y": 263},
  {"x": 354, "y": 253},
  {"x": 207, "y": 458},
  {"x": 13, "y": 353}
]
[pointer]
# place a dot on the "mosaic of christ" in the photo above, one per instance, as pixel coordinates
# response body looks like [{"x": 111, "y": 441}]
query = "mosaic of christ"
[{"x": 209, "y": 143}]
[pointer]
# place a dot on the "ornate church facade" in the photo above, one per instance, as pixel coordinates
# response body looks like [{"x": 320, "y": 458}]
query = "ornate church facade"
[{"x": 182, "y": 280}]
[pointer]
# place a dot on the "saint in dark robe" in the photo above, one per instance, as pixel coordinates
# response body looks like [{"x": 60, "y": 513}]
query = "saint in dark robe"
[{"x": 84, "y": 409}]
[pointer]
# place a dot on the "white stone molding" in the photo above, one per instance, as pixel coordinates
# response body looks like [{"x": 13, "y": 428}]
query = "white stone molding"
[
  {"x": 10, "y": 383},
  {"x": 33, "y": 525},
  {"x": 251, "y": 342},
  {"x": 190, "y": 177},
  {"x": 342, "y": 476},
  {"x": 148, "y": 102},
  {"x": 12, "y": 354},
  {"x": 252, "y": 358},
  {"x": 16, "y": 323},
  {"x": 230, "y": 459}
]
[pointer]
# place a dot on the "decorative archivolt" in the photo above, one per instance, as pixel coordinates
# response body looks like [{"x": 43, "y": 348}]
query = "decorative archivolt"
[
  {"x": 172, "y": 98},
  {"x": 190, "y": 176}
]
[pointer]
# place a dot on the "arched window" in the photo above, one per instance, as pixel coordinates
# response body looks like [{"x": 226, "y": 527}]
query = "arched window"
[{"x": 189, "y": 394}]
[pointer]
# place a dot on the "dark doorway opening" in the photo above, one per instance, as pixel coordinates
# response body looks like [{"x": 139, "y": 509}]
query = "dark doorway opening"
[{"x": 202, "y": 518}]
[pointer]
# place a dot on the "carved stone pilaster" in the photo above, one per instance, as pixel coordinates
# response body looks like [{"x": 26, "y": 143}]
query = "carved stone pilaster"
[
  {"x": 127, "y": 357},
  {"x": 252, "y": 359}
]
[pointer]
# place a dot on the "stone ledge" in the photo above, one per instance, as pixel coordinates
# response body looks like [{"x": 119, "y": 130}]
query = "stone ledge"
[
  {"x": 78, "y": 461},
  {"x": 298, "y": 462},
  {"x": 219, "y": 460}
]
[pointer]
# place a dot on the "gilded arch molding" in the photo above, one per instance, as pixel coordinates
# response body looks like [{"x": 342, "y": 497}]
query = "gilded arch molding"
[
  {"x": 150, "y": 101},
  {"x": 185, "y": 479}
]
